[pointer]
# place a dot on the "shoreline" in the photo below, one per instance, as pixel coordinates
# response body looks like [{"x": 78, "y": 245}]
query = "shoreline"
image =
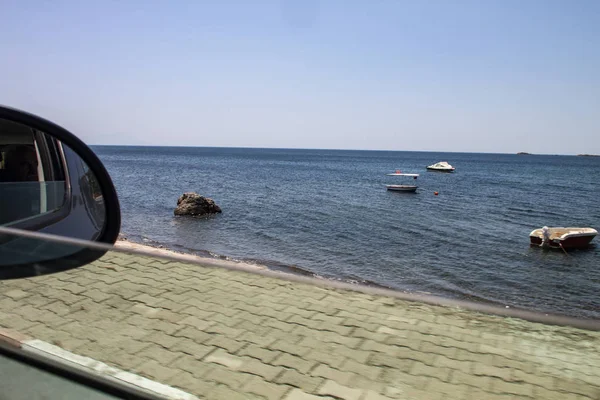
[
  {"x": 159, "y": 250},
  {"x": 155, "y": 248},
  {"x": 125, "y": 244},
  {"x": 469, "y": 303},
  {"x": 424, "y": 298}
]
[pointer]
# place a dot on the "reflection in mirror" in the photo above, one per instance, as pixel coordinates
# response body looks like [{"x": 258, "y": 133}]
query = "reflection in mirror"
[
  {"x": 32, "y": 181},
  {"x": 45, "y": 186}
]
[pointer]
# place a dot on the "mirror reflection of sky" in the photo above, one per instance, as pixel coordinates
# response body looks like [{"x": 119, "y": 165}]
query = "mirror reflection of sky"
[{"x": 471, "y": 76}]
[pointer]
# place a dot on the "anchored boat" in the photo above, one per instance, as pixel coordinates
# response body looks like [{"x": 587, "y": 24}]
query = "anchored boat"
[
  {"x": 565, "y": 238},
  {"x": 403, "y": 188},
  {"x": 442, "y": 166}
]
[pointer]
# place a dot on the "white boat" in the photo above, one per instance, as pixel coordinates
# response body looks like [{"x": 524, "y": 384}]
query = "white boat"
[
  {"x": 403, "y": 188},
  {"x": 441, "y": 166},
  {"x": 565, "y": 238}
]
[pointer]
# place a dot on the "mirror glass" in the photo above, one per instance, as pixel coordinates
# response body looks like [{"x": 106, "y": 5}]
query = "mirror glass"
[
  {"x": 46, "y": 187},
  {"x": 32, "y": 179},
  {"x": 42, "y": 180}
]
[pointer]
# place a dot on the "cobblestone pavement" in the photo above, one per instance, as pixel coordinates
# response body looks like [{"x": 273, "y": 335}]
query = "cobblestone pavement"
[{"x": 224, "y": 334}]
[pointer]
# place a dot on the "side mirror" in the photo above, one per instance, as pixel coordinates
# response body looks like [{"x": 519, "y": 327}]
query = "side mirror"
[{"x": 52, "y": 183}]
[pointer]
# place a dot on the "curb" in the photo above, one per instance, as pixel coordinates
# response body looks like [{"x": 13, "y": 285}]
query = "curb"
[{"x": 65, "y": 360}]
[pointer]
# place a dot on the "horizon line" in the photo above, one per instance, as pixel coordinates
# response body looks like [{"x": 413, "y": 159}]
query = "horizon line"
[{"x": 333, "y": 149}]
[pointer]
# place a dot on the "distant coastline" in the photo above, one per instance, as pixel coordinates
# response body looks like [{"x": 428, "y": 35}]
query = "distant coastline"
[
  {"x": 523, "y": 153},
  {"x": 588, "y": 155}
]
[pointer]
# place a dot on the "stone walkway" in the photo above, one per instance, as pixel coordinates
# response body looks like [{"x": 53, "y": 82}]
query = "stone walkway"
[{"x": 223, "y": 334}]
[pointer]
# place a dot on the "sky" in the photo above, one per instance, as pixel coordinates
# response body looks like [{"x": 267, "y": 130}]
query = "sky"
[{"x": 438, "y": 75}]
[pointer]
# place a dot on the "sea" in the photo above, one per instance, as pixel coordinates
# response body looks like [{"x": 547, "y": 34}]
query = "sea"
[{"x": 327, "y": 213}]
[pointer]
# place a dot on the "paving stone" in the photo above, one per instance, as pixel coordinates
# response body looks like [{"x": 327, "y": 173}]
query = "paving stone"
[
  {"x": 231, "y": 345},
  {"x": 267, "y": 338},
  {"x": 368, "y": 371},
  {"x": 192, "y": 365},
  {"x": 539, "y": 379},
  {"x": 147, "y": 299},
  {"x": 222, "y": 318},
  {"x": 16, "y": 294},
  {"x": 255, "y": 367},
  {"x": 311, "y": 338},
  {"x": 501, "y": 387},
  {"x": 297, "y": 394},
  {"x": 324, "y": 371},
  {"x": 128, "y": 361},
  {"x": 386, "y": 361},
  {"x": 335, "y": 360},
  {"x": 220, "y": 356},
  {"x": 168, "y": 316},
  {"x": 131, "y": 346},
  {"x": 443, "y": 374},
  {"x": 490, "y": 370},
  {"x": 543, "y": 393},
  {"x": 162, "y": 339},
  {"x": 290, "y": 348},
  {"x": 360, "y": 382},
  {"x": 334, "y": 389},
  {"x": 574, "y": 386},
  {"x": 261, "y": 339},
  {"x": 294, "y": 378},
  {"x": 371, "y": 395},
  {"x": 448, "y": 390},
  {"x": 223, "y": 392},
  {"x": 294, "y": 362},
  {"x": 155, "y": 370},
  {"x": 280, "y": 325},
  {"x": 224, "y": 330},
  {"x": 291, "y": 311},
  {"x": 96, "y": 295},
  {"x": 191, "y": 383},
  {"x": 17, "y": 323},
  {"x": 265, "y": 355},
  {"x": 480, "y": 382},
  {"x": 159, "y": 354},
  {"x": 196, "y": 335},
  {"x": 188, "y": 346},
  {"x": 270, "y": 391},
  {"x": 428, "y": 347},
  {"x": 179, "y": 307},
  {"x": 196, "y": 322},
  {"x": 164, "y": 326},
  {"x": 503, "y": 362},
  {"x": 225, "y": 376},
  {"x": 373, "y": 346},
  {"x": 57, "y": 308},
  {"x": 371, "y": 336},
  {"x": 445, "y": 362}
]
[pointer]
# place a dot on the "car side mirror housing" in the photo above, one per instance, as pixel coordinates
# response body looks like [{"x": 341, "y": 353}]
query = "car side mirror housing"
[{"x": 51, "y": 183}]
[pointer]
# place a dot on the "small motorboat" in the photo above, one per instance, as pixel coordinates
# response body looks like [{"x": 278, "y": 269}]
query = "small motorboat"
[
  {"x": 403, "y": 188},
  {"x": 565, "y": 238},
  {"x": 441, "y": 166}
]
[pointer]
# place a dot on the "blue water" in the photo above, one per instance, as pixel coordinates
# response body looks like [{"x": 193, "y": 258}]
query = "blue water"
[{"x": 327, "y": 212}]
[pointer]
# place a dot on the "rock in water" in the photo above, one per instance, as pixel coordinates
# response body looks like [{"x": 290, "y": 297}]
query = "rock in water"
[{"x": 196, "y": 205}]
